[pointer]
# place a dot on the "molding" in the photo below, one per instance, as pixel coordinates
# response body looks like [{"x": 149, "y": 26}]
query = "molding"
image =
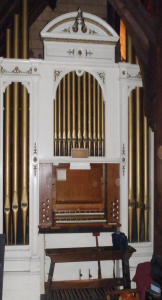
[
  {"x": 85, "y": 19},
  {"x": 70, "y": 40}
]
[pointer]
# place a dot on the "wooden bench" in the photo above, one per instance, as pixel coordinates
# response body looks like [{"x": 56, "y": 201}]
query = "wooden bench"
[{"x": 65, "y": 255}]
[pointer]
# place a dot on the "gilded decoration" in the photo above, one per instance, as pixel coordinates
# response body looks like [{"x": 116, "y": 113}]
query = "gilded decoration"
[
  {"x": 91, "y": 31},
  {"x": 89, "y": 52},
  {"x": 102, "y": 76},
  {"x": 56, "y": 74},
  {"x": 66, "y": 30},
  {"x": 85, "y": 19},
  {"x": 79, "y": 41},
  {"x": 71, "y": 52},
  {"x": 79, "y": 22},
  {"x": 16, "y": 70}
]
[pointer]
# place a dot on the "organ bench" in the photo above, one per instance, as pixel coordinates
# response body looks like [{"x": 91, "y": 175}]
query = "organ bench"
[{"x": 92, "y": 288}]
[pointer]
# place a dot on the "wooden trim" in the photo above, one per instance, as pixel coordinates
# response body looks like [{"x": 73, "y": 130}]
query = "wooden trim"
[
  {"x": 89, "y": 283},
  {"x": 87, "y": 254}
]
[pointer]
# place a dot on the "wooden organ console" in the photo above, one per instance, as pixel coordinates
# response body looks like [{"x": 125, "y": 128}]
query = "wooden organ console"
[{"x": 79, "y": 198}]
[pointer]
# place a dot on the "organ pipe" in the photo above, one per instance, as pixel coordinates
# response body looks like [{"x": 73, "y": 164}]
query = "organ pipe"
[
  {"x": 146, "y": 179},
  {"x": 131, "y": 146},
  {"x": 103, "y": 123},
  {"x": 89, "y": 112},
  {"x": 7, "y": 175},
  {"x": 79, "y": 113},
  {"x": 138, "y": 161},
  {"x": 56, "y": 129},
  {"x": 59, "y": 117},
  {"x": 84, "y": 111},
  {"x": 73, "y": 110},
  {"x": 25, "y": 124},
  {"x": 94, "y": 116},
  {"x": 69, "y": 112},
  {"x": 98, "y": 117},
  {"x": 64, "y": 114},
  {"x": 15, "y": 167}
]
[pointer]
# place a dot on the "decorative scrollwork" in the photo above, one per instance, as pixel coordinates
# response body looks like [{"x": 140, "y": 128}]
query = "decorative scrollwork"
[
  {"x": 89, "y": 53},
  {"x": 91, "y": 31},
  {"x": 3, "y": 70},
  {"x": 35, "y": 159},
  {"x": 123, "y": 159},
  {"x": 71, "y": 51},
  {"x": 56, "y": 74},
  {"x": 16, "y": 70},
  {"x": 66, "y": 30},
  {"x": 102, "y": 76},
  {"x": 35, "y": 148},
  {"x": 123, "y": 149}
]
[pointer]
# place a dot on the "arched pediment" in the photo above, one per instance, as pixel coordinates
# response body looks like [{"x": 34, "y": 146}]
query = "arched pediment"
[{"x": 82, "y": 26}]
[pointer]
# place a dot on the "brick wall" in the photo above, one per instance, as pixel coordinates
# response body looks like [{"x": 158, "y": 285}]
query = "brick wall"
[{"x": 96, "y": 7}]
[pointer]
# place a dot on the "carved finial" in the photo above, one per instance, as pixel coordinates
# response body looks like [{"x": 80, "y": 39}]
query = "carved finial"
[{"x": 79, "y": 22}]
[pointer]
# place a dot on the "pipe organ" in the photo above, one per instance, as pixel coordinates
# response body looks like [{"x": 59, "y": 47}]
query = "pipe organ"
[{"x": 68, "y": 142}]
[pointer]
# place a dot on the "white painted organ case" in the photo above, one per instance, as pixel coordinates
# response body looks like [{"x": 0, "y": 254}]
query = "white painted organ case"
[{"x": 79, "y": 138}]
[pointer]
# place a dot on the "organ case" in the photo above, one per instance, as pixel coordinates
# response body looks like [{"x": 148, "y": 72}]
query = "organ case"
[{"x": 79, "y": 198}]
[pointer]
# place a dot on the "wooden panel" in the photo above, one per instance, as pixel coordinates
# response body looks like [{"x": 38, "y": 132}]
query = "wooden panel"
[
  {"x": 81, "y": 187},
  {"x": 113, "y": 193},
  {"x": 45, "y": 193}
]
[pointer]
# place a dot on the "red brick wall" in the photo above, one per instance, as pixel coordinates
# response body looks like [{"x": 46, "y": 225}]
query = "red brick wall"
[{"x": 96, "y": 7}]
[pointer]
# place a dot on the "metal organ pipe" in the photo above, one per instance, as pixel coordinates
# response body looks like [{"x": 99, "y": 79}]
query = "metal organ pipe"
[
  {"x": 64, "y": 115},
  {"x": 59, "y": 118},
  {"x": 138, "y": 161},
  {"x": 98, "y": 117},
  {"x": 103, "y": 124},
  {"x": 55, "y": 125},
  {"x": 84, "y": 110},
  {"x": 79, "y": 112},
  {"x": 89, "y": 112},
  {"x": 24, "y": 125},
  {"x": 131, "y": 146},
  {"x": 146, "y": 178},
  {"x": 69, "y": 112},
  {"x": 15, "y": 162},
  {"x": 94, "y": 116},
  {"x": 7, "y": 133},
  {"x": 73, "y": 110}
]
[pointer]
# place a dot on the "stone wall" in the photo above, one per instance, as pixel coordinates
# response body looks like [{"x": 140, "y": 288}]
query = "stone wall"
[{"x": 96, "y": 7}]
